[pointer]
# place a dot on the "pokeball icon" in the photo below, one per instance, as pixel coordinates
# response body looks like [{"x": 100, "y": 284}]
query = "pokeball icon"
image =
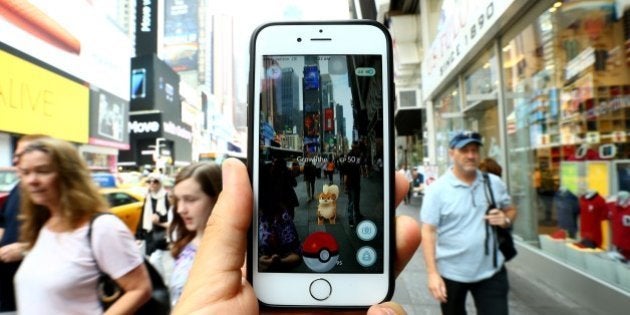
[{"x": 320, "y": 251}]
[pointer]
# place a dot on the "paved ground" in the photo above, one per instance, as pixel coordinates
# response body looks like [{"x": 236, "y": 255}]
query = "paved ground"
[{"x": 526, "y": 296}]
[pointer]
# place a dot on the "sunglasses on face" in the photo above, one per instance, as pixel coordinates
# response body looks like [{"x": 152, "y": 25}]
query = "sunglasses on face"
[{"x": 153, "y": 181}]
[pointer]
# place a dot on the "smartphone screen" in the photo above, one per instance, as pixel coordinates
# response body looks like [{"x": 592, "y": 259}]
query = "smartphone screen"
[
  {"x": 321, "y": 165},
  {"x": 321, "y": 197},
  {"x": 138, "y": 83}
]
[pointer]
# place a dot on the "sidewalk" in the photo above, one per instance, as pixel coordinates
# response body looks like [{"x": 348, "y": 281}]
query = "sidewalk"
[{"x": 525, "y": 297}]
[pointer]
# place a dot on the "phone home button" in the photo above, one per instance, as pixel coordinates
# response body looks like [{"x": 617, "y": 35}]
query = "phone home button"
[{"x": 320, "y": 289}]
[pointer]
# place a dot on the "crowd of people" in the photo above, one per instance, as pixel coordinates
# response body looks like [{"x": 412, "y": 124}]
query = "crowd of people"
[{"x": 51, "y": 219}]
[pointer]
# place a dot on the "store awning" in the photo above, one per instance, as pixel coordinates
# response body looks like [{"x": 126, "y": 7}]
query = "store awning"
[{"x": 408, "y": 122}]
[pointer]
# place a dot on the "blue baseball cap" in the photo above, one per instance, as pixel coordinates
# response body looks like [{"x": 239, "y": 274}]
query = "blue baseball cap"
[{"x": 463, "y": 138}]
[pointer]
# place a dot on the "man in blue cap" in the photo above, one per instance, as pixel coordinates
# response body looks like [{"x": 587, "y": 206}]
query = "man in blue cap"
[{"x": 457, "y": 248}]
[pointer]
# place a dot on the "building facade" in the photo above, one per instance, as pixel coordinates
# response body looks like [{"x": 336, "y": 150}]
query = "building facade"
[{"x": 547, "y": 84}]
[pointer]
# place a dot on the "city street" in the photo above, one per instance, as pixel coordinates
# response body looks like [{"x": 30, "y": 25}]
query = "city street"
[
  {"x": 526, "y": 297},
  {"x": 371, "y": 206}
]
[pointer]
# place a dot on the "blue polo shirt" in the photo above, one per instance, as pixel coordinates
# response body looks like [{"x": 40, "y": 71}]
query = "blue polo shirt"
[{"x": 457, "y": 210}]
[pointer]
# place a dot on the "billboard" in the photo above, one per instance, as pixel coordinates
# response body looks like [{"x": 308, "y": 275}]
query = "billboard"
[
  {"x": 311, "y": 78},
  {"x": 154, "y": 85},
  {"x": 146, "y": 27},
  {"x": 109, "y": 115},
  {"x": 87, "y": 46},
  {"x": 311, "y": 124},
  {"x": 329, "y": 120},
  {"x": 36, "y": 100},
  {"x": 181, "y": 34}
]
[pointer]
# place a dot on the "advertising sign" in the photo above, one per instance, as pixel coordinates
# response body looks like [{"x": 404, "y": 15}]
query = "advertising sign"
[
  {"x": 146, "y": 27},
  {"x": 108, "y": 120},
  {"x": 86, "y": 45},
  {"x": 142, "y": 126},
  {"x": 311, "y": 124},
  {"x": 36, "y": 100},
  {"x": 311, "y": 78},
  {"x": 329, "y": 120},
  {"x": 154, "y": 85},
  {"x": 181, "y": 34}
]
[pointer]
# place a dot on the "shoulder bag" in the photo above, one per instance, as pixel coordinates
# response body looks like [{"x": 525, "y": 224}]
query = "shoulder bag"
[
  {"x": 109, "y": 291},
  {"x": 503, "y": 235}
]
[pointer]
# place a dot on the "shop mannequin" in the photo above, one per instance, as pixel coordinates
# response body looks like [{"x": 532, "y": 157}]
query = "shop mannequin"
[
  {"x": 567, "y": 207},
  {"x": 620, "y": 224},
  {"x": 593, "y": 210}
]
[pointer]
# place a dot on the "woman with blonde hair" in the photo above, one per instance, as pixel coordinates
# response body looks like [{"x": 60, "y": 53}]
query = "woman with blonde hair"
[{"x": 60, "y": 273}]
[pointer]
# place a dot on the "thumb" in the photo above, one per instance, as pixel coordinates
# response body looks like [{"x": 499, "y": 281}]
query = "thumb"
[{"x": 226, "y": 230}]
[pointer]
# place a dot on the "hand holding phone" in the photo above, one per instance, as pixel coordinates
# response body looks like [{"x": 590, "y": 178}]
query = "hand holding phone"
[
  {"x": 320, "y": 116},
  {"x": 216, "y": 285}
]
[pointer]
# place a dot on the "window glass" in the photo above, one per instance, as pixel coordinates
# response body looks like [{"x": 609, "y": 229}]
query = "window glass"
[
  {"x": 481, "y": 103},
  {"x": 448, "y": 117},
  {"x": 567, "y": 90}
]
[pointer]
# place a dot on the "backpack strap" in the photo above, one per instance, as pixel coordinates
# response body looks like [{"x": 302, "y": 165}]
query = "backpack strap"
[{"x": 490, "y": 198}]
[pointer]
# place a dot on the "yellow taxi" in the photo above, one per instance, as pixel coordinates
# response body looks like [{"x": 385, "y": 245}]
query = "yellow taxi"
[{"x": 125, "y": 204}]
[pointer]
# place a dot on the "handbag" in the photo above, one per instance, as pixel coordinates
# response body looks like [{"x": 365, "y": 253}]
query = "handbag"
[
  {"x": 156, "y": 239},
  {"x": 108, "y": 290},
  {"x": 503, "y": 235}
]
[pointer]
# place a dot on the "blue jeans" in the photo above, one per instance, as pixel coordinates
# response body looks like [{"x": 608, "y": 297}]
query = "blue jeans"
[{"x": 490, "y": 295}]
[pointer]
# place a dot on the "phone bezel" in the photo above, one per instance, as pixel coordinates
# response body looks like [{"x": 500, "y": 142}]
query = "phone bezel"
[{"x": 292, "y": 288}]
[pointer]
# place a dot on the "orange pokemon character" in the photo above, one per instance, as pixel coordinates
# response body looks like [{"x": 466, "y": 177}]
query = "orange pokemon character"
[{"x": 327, "y": 209}]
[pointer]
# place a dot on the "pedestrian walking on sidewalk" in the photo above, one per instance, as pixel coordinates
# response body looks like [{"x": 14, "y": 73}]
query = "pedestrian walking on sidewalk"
[
  {"x": 457, "y": 247},
  {"x": 69, "y": 248},
  {"x": 310, "y": 172},
  {"x": 12, "y": 251},
  {"x": 352, "y": 183}
]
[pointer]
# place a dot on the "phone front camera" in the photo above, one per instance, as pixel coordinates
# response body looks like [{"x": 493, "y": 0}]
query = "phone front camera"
[
  {"x": 321, "y": 31},
  {"x": 299, "y": 39}
]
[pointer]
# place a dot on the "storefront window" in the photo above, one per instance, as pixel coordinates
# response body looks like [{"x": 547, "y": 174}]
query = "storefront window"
[
  {"x": 481, "y": 103},
  {"x": 448, "y": 117},
  {"x": 567, "y": 92}
]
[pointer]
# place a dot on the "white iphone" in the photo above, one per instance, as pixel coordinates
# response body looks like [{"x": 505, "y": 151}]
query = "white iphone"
[{"x": 320, "y": 160}]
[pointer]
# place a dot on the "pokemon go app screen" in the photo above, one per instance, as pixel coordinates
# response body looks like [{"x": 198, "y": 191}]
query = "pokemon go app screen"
[{"x": 320, "y": 185}]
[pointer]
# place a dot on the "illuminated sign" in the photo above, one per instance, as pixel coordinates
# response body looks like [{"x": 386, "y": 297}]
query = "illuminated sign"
[
  {"x": 146, "y": 34},
  {"x": 35, "y": 100},
  {"x": 144, "y": 126},
  {"x": 145, "y": 21},
  {"x": 89, "y": 46}
]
